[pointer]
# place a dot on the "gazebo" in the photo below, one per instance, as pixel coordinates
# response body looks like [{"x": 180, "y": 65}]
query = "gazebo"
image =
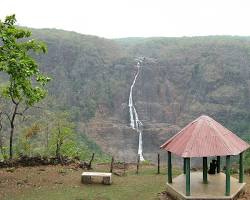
[{"x": 203, "y": 138}]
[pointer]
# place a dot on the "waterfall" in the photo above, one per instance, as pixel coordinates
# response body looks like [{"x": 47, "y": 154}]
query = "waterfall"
[{"x": 135, "y": 123}]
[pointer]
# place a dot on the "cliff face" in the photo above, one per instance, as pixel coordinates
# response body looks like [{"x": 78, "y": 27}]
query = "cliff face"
[{"x": 180, "y": 79}]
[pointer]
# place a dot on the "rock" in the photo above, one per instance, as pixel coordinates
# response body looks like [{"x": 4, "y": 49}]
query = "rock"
[
  {"x": 20, "y": 182},
  {"x": 25, "y": 180},
  {"x": 119, "y": 173},
  {"x": 62, "y": 171},
  {"x": 11, "y": 169},
  {"x": 58, "y": 182}
]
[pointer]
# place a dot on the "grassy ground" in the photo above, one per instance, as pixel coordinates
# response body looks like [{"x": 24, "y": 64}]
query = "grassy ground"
[
  {"x": 63, "y": 183},
  {"x": 58, "y": 182}
]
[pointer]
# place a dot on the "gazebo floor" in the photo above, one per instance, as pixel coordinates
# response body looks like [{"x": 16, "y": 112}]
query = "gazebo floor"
[{"x": 215, "y": 189}]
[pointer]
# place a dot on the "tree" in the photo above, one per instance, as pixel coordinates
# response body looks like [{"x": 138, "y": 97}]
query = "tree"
[
  {"x": 24, "y": 145},
  {"x": 63, "y": 140},
  {"x": 26, "y": 83}
]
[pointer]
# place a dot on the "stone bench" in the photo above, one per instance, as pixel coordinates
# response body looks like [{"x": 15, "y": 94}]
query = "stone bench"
[{"x": 87, "y": 176}]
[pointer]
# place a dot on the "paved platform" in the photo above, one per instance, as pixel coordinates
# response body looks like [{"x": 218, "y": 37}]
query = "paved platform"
[{"x": 215, "y": 189}]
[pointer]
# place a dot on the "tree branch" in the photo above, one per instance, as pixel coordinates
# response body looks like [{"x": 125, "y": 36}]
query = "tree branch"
[{"x": 11, "y": 93}]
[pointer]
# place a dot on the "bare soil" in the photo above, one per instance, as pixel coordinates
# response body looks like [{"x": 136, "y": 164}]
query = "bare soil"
[
  {"x": 19, "y": 181},
  {"x": 23, "y": 182}
]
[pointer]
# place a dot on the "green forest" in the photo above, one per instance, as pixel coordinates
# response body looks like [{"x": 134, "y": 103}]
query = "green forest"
[
  {"x": 55, "y": 83},
  {"x": 30, "y": 125}
]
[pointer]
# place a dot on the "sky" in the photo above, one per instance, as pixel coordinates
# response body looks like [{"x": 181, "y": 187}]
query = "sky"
[{"x": 134, "y": 18}]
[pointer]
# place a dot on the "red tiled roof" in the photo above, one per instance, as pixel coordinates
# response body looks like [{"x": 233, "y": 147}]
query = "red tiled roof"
[{"x": 205, "y": 137}]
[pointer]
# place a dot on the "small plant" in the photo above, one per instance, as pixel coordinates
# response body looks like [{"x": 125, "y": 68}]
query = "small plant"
[
  {"x": 234, "y": 171},
  {"x": 4, "y": 152},
  {"x": 11, "y": 169},
  {"x": 146, "y": 162},
  {"x": 62, "y": 171}
]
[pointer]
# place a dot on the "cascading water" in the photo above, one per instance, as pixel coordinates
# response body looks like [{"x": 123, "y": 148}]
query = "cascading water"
[{"x": 135, "y": 123}]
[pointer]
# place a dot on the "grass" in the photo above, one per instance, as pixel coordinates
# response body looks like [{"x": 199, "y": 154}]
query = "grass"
[
  {"x": 63, "y": 183},
  {"x": 66, "y": 186},
  {"x": 132, "y": 187}
]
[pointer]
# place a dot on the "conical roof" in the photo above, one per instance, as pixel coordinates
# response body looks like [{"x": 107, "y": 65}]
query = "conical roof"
[{"x": 205, "y": 137}]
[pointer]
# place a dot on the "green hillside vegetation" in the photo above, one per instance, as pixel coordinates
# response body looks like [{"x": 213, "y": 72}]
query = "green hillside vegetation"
[
  {"x": 33, "y": 128},
  {"x": 210, "y": 73},
  {"x": 181, "y": 79}
]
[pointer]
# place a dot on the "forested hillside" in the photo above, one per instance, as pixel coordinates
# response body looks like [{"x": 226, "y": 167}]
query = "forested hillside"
[{"x": 181, "y": 79}]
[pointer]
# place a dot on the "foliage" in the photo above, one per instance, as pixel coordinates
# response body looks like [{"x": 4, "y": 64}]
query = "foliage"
[
  {"x": 87, "y": 147},
  {"x": 21, "y": 68},
  {"x": 203, "y": 75},
  {"x": 3, "y": 151},
  {"x": 247, "y": 153},
  {"x": 26, "y": 83},
  {"x": 89, "y": 108},
  {"x": 26, "y": 144},
  {"x": 43, "y": 136},
  {"x": 247, "y": 160},
  {"x": 62, "y": 136}
]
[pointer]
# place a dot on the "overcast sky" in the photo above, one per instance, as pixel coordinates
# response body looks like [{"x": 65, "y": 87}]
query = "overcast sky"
[{"x": 134, "y": 18}]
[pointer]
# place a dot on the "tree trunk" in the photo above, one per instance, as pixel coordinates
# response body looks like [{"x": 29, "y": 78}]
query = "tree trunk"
[
  {"x": 12, "y": 128},
  {"x": 57, "y": 149},
  {"x": 90, "y": 162},
  {"x": 1, "y": 136},
  {"x": 58, "y": 143},
  {"x": 11, "y": 140},
  {"x": 47, "y": 137},
  {"x": 2, "y": 145},
  {"x": 112, "y": 164}
]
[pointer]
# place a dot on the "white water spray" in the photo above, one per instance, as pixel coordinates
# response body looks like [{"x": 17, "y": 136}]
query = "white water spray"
[{"x": 135, "y": 123}]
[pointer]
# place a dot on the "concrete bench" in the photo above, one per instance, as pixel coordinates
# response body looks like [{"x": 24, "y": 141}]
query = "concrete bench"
[{"x": 106, "y": 177}]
